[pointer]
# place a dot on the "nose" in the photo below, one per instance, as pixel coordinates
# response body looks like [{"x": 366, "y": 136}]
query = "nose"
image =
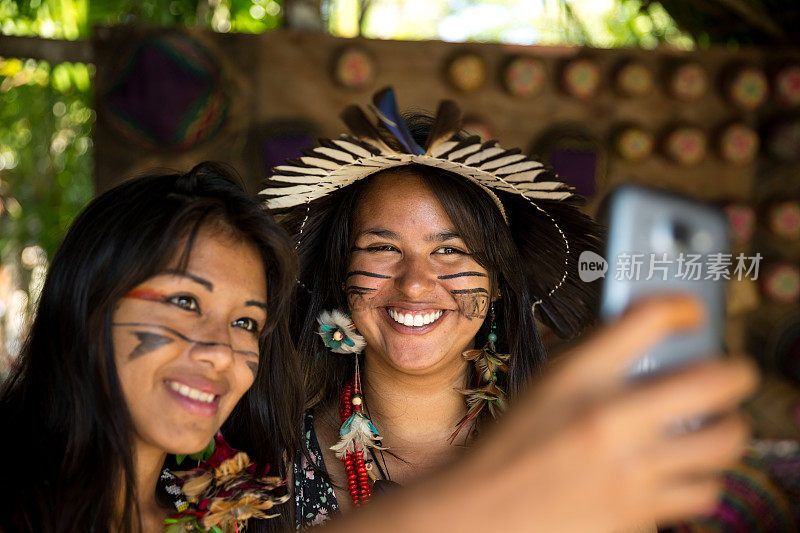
[
  {"x": 211, "y": 344},
  {"x": 416, "y": 278}
]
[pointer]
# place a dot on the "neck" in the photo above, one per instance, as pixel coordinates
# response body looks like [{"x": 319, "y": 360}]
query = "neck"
[
  {"x": 147, "y": 463},
  {"x": 415, "y": 410}
]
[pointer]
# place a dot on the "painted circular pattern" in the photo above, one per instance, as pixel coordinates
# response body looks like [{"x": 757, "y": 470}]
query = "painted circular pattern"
[
  {"x": 634, "y": 79},
  {"x": 354, "y": 68},
  {"x": 784, "y": 219},
  {"x": 738, "y": 144},
  {"x": 741, "y": 222},
  {"x": 688, "y": 82},
  {"x": 787, "y": 86},
  {"x": 782, "y": 283},
  {"x": 748, "y": 88},
  {"x": 169, "y": 93},
  {"x": 686, "y": 145},
  {"x": 524, "y": 77},
  {"x": 634, "y": 143},
  {"x": 467, "y": 72},
  {"x": 581, "y": 78}
]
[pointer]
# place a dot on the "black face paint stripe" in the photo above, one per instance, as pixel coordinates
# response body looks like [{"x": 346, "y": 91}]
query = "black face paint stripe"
[
  {"x": 148, "y": 342},
  {"x": 470, "y": 291},
  {"x": 253, "y": 366},
  {"x": 464, "y": 275},
  {"x": 184, "y": 337},
  {"x": 357, "y": 288},
  {"x": 365, "y": 273}
]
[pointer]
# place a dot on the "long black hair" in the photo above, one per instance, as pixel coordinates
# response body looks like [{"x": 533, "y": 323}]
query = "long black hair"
[
  {"x": 520, "y": 256},
  {"x": 66, "y": 443}
]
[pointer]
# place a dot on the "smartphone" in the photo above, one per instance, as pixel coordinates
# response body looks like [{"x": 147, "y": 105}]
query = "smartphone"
[{"x": 658, "y": 243}]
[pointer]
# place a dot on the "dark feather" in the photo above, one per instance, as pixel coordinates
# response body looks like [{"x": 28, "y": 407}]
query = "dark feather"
[
  {"x": 446, "y": 125},
  {"x": 360, "y": 126},
  {"x": 386, "y": 111}
]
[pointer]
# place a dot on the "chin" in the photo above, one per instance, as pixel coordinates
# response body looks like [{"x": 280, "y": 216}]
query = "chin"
[{"x": 415, "y": 360}]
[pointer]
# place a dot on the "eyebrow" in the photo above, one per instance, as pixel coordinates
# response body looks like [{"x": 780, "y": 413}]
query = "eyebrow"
[
  {"x": 379, "y": 232},
  {"x": 197, "y": 279},
  {"x": 256, "y": 303},
  {"x": 442, "y": 236}
]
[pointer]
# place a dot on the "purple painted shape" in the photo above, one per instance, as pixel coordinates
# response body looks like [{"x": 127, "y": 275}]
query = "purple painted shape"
[
  {"x": 578, "y": 167},
  {"x": 276, "y": 150},
  {"x": 157, "y": 93}
]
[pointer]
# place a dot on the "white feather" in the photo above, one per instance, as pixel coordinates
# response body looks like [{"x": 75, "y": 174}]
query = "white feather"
[
  {"x": 320, "y": 163},
  {"x": 484, "y": 155},
  {"x": 353, "y": 148},
  {"x": 359, "y": 438},
  {"x": 338, "y": 155},
  {"x": 338, "y": 319},
  {"x": 502, "y": 161},
  {"x": 302, "y": 170},
  {"x": 442, "y": 148},
  {"x": 464, "y": 151},
  {"x": 282, "y": 178},
  {"x": 518, "y": 167},
  {"x": 528, "y": 175},
  {"x": 280, "y": 202},
  {"x": 547, "y": 195}
]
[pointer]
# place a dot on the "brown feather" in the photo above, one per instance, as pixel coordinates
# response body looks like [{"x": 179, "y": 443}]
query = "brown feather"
[{"x": 446, "y": 125}]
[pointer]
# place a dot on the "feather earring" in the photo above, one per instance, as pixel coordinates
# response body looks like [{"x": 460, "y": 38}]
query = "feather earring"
[
  {"x": 357, "y": 434},
  {"x": 486, "y": 394}
]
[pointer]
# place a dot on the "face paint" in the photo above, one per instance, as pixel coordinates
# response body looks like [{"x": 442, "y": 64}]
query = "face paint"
[
  {"x": 148, "y": 342},
  {"x": 463, "y": 275},
  {"x": 365, "y": 273},
  {"x": 473, "y": 303},
  {"x": 186, "y": 338},
  {"x": 357, "y": 294},
  {"x": 146, "y": 294}
]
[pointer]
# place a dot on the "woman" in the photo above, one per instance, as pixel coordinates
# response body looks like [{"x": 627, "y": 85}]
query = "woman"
[
  {"x": 440, "y": 255},
  {"x": 162, "y": 317}
]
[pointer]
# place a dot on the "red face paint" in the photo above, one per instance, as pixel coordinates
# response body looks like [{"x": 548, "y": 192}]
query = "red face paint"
[{"x": 145, "y": 294}]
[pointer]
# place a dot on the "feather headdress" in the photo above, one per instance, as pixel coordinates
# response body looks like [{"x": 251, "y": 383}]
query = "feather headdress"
[{"x": 499, "y": 172}]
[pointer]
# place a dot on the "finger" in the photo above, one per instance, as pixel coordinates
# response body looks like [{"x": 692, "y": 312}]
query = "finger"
[
  {"x": 689, "y": 498},
  {"x": 706, "y": 450},
  {"x": 709, "y": 387},
  {"x": 602, "y": 360}
]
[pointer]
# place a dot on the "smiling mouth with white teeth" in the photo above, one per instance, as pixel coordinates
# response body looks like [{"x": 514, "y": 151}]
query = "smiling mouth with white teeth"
[
  {"x": 414, "y": 319},
  {"x": 191, "y": 393}
]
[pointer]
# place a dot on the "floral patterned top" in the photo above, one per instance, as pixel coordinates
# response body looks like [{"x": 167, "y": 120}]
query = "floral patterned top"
[{"x": 314, "y": 499}]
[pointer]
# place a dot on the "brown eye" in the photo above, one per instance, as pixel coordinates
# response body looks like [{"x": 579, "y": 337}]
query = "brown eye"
[
  {"x": 188, "y": 303},
  {"x": 381, "y": 248},
  {"x": 247, "y": 324},
  {"x": 449, "y": 250}
]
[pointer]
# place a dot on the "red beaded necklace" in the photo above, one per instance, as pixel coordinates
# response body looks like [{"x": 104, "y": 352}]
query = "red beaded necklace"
[{"x": 354, "y": 465}]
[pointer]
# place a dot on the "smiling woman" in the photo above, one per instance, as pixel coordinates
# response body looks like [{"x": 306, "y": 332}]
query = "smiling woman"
[
  {"x": 162, "y": 317},
  {"x": 439, "y": 255}
]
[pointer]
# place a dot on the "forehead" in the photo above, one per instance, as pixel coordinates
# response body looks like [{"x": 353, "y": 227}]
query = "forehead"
[
  {"x": 399, "y": 197},
  {"x": 224, "y": 258}
]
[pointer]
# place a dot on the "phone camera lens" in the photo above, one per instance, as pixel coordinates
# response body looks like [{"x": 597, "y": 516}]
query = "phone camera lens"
[{"x": 681, "y": 235}]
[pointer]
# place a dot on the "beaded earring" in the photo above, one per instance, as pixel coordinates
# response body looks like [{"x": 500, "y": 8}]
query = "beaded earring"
[{"x": 485, "y": 392}]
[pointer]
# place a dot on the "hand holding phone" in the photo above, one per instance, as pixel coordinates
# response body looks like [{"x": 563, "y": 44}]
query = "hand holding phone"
[{"x": 661, "y": 243}]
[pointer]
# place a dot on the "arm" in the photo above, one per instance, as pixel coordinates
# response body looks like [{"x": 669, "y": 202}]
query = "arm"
[{"x": 586, "y": 450}]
